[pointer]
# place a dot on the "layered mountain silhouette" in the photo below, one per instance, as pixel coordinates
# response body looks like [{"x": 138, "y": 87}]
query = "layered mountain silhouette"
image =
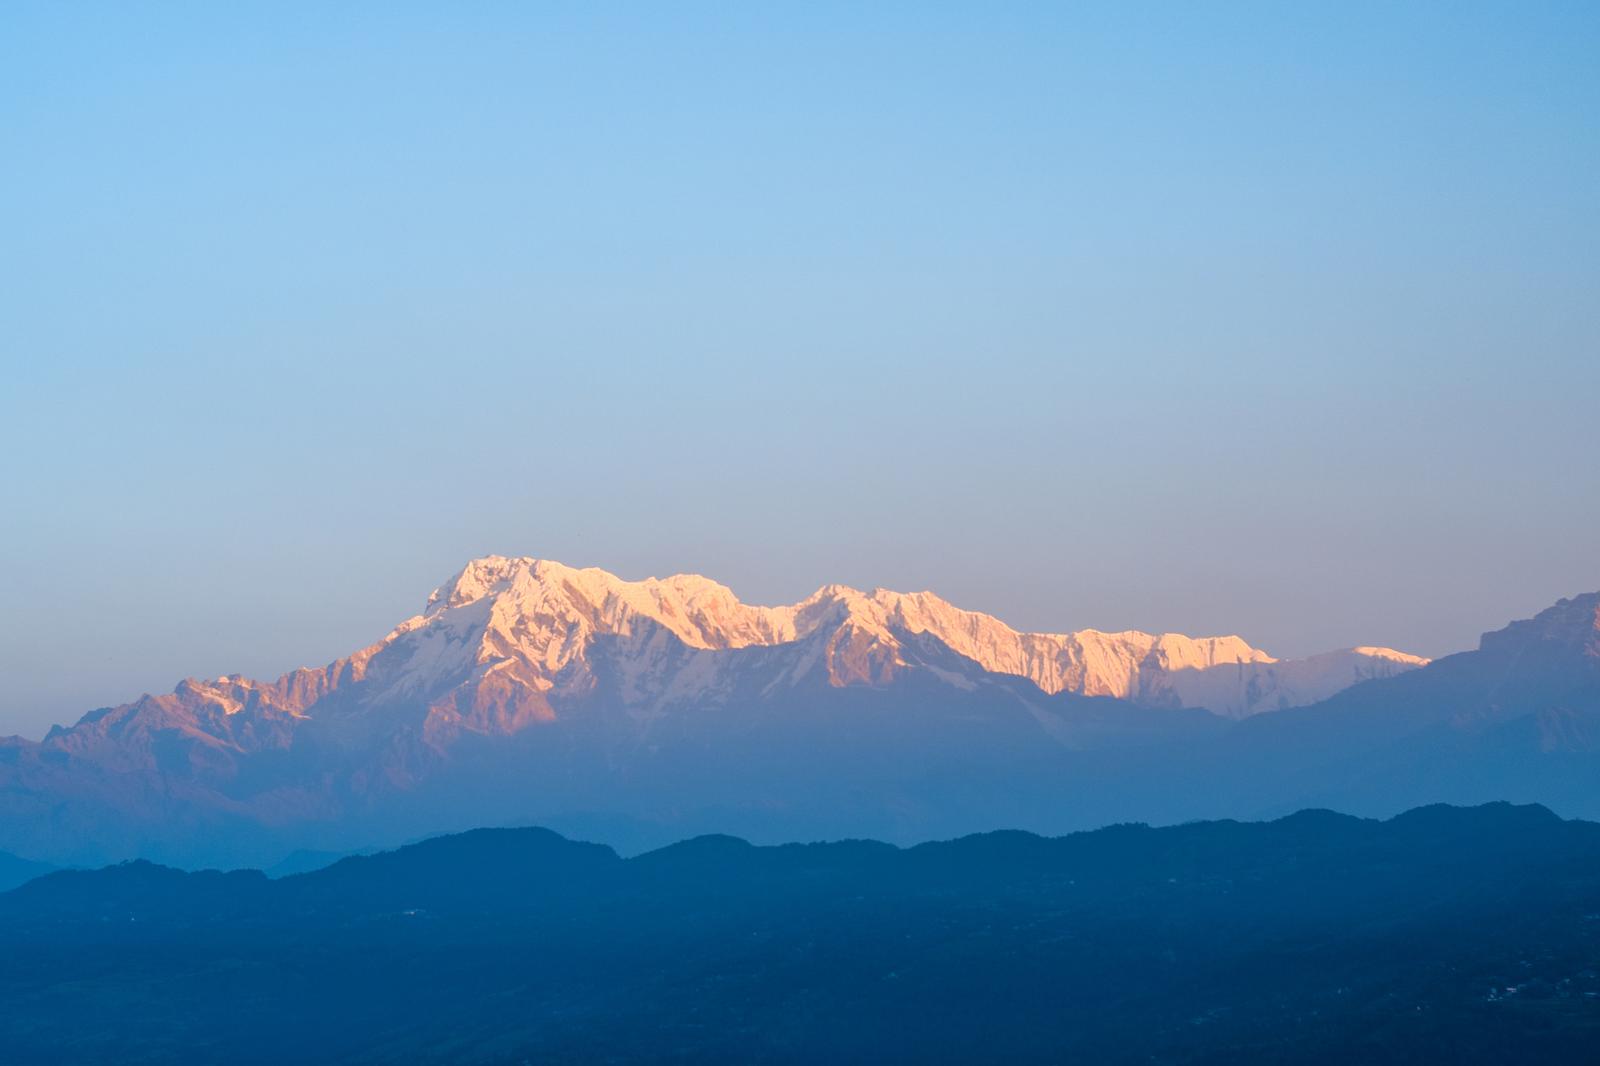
[
  {"x": 1467, "y": 935},
  {"x": 15, "y": 871},
  {"x": 637, "y": 712}
]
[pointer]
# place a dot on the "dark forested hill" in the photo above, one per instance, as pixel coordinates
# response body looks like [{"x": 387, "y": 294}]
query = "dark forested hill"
[{"x": 1445, "y": 933}]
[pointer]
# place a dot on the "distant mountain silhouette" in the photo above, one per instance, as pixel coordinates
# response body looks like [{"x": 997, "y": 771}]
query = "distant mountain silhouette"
[{"x": 1444, "y": 934}]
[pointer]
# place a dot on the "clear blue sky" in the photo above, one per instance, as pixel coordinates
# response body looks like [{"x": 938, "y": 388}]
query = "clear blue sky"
[{"x": 1277, "y": 319}]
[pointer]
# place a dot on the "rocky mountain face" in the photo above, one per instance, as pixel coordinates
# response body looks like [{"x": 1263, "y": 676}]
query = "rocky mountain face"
[{"x": 530, "y": 691}]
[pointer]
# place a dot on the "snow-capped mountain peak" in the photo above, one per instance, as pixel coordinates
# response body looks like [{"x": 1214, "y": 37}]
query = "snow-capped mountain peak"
[{"x": 543, "y": 616}]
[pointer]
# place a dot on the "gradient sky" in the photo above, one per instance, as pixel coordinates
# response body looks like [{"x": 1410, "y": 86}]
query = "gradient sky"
[{"x": 1275, "y": 319}]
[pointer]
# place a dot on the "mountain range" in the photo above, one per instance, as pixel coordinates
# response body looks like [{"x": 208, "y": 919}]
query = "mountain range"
[{"x": 639, "y": 711}]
